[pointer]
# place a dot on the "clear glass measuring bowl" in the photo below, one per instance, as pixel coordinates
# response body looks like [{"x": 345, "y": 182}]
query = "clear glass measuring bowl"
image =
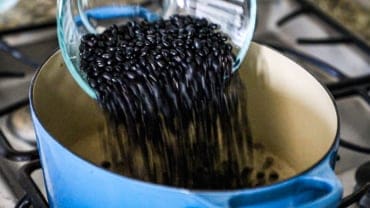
[{"x": 76, "y": 18}]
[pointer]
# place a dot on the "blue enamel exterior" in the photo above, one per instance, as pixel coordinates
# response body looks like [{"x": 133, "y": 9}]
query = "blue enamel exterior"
[{"x": 74, "y": 182}]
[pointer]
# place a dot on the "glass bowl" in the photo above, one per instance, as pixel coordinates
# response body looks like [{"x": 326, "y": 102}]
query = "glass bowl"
[{"x": 76, "y": 18}]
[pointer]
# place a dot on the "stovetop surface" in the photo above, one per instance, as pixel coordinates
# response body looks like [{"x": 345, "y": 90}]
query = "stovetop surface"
[
  {"x": 343, "y": 66},
  {"x": 15, "y": 132}
]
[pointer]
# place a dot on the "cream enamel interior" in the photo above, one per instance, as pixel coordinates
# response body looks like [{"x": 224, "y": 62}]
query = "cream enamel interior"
[
  {"x": 66, "y": 112},
  {"x": 289, "y": 111}
]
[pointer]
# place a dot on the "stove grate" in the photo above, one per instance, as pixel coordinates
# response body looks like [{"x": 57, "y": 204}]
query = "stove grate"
[
  {"x": 8, "y": 152},
  {"x": 33, "y": 196},
  {"x": 307, "y": 7}
]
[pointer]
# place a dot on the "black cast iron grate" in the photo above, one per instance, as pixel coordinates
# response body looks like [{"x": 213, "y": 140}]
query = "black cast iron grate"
[
  {"x": 32, "y": 196},
  {"x": 345, "y": 86}
]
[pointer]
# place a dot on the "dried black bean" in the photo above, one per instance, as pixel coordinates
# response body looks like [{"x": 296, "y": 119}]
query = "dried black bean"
[
  {"x": 163, "y": 32},
  {"x": 140, "y": 43},
  {"x": 178, "y": 42},
  {"x": 165, "y": 52},
  {"x": 201, "y": 53},
  {"x": 189, "y": 43},
  {"x": 109, "y": 62},
  {"x": 118, "y": 57},
  {"x": 197, "y": 43},
  {"x": 95, "y": 68},
  {"x": 181, "y": 53},
  {"x": 93, "y": 83},
  {"x": 91, "y": 43},
  {"x": 159, "y": 48},
  {"x": 246, "y": 172},
  {"x": 165, "y": 42},
  {"x": 216, "y": 53},
  {"x": 160, "y": 63},
  {"x": 172, "y": 63},
  {"x": 127, "y": 37},
  {"x": 130, "y": 75},
  {"x": 151, "y": 38},
  {"x": 260, "y": 175},
  {"x": 158, "y": 56},
  {"x": 101, "y": 44},
  {"x": 105, "y": 164},
  {"x": 131, "y": 32},
  {"x": 177, "y": 58},
  {"x": 204, "y": 30},
  {"x": 126, "y": 66},
  {"x": 143, "y": 53},
  {"x": 100, "y": 64},
  {"x": 99, "y": 80},
  {"x": 205, "y": 51},
  {"x": 213, "y": 26},
  {"x": 108, "y": 69},
  {"x": 273, "y": 176},
  {"x": 110, "y": 42},
  {"x": 269, "y": 162},
  {"x": 202, "y": 36},
  {"x": 117, "y": 68},
  {"x": 198, "y": 59},
  {"x": 189, "y": 60},
  {"x": 261, "y": 182},
  {"x": 106, "y": 76},
  {"x": 228, "y": 47},
  {"x": 99, "y": 60},
  {"x": 173, "y": 52},
  {"x": 205, "y": 67}
]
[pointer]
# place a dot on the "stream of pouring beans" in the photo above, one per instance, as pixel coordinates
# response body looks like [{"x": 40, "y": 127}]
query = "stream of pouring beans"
[{"x": 174, "y": 118}]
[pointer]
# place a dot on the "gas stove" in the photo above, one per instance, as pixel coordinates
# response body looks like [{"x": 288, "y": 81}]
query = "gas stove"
[{"x": 338, "y": 58}]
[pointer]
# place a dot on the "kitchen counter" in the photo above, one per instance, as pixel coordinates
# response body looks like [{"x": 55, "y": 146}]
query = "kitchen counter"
[
  {"x": 28, "y": 13},
  {"x": 354, "y": 14}
]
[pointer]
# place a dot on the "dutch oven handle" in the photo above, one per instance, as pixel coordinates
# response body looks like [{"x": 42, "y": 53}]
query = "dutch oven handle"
[
  {"x": 326, "y": 188},
  {"x": 319, "y": 188}
]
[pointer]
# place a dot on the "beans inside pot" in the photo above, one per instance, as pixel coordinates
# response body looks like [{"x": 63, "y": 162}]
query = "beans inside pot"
[{"x": 174, "y": 118}]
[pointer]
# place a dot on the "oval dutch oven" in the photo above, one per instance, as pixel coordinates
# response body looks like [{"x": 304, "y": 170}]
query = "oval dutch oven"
[{"x": 290, "y": 112}]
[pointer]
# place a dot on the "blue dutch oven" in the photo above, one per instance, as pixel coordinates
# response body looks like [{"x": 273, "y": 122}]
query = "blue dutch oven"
[{"x": 290, "y": 113}]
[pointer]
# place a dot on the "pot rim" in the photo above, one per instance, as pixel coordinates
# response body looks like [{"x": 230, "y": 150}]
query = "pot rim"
[{"x": 333, "y": 146}]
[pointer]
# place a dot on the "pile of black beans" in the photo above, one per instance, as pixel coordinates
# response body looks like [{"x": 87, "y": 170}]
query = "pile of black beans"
[
  {"x": 167, "y": 62},
  {"x": 166, "y": 88}
]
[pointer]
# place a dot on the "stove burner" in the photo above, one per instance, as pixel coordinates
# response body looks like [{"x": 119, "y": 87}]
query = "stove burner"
[
  {"x": 363, "y": 178},
  {"x": 20, "y": 125}
]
